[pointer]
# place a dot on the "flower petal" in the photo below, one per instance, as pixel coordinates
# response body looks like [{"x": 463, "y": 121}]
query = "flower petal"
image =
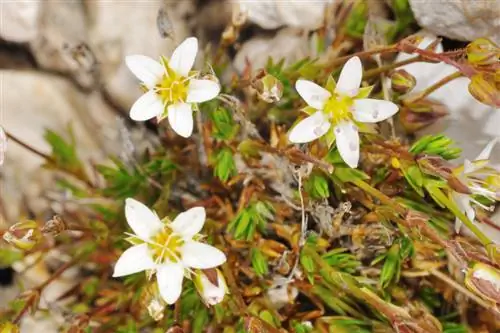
[
  {"x": 310, "y": 128},
  {"x": 202, "y": 90},
  {"x": 141, "y": 219},
  {"x": 169, "y": 277},
  {"x": 190, "y": 222},
  {"x": 347, "y": 139},
  {"x": 145, "y": 69},
  {"x": 486, "y": 152},
  {"x": 202, "y": 256},
  {"x": 182, "y": 59},
  {"x": 369, "y": 110},
  {"x": 464, "y": 204},
  {"x": 146, "y": 107},
  {"x": 180, "y": 117},
  {"x": 133, "y": 260},
  {"x": 313, "y": 94},
  {"x": 350, "y": 77}
]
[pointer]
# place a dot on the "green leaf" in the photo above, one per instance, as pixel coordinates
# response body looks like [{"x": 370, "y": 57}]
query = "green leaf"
[
  {"x": 121, "y": 182},
  {"x": 224, "y": 167},
  {"x": 414, "y": 177},
  {"x": 64, "y": 152},
  {"x": 317, "y": 185},
  {"x": 9, "y": 256},
  {"x": 259, "y": 262},
  {"x": 224, "y": 126},
  {"x": 254, "y": 216}
]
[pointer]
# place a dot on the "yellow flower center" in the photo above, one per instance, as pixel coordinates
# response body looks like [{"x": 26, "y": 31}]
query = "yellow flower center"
[
  {"x": 165, "y": 246},
  {"x": 172, "y": 88},
  {"x": 338, "y": 108}
]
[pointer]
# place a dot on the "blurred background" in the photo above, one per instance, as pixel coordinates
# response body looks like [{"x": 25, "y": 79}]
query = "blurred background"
[{"x": 62, "y": 63}]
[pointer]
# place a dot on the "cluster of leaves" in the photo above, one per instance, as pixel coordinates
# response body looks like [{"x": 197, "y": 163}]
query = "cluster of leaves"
[{"x": 298, "y": 260}]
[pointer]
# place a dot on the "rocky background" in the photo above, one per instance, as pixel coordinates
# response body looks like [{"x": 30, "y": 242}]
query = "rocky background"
[{"x": 61, "y": 63}]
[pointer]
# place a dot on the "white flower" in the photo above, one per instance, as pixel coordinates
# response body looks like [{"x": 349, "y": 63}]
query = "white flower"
[
  {"x": 172, "y": 87},
  {"x": 475, "y": 175},
  {"x": 170, "y": 249},
  {"x": 340, "y": 110},
  {"x": 211, "y": 292}
]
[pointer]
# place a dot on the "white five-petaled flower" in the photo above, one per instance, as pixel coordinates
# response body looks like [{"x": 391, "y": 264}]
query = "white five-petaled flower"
[
  {"x": 170, "y": 249},
  {"x": 171, "y": 87},
  {"x": 475, "y": 175},
  {"x": 340, "y": 109}
]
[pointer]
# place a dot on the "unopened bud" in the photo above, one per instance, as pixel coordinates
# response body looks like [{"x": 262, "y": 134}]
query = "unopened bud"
[
  {"x": 483, "y": 51},
  {"x": 79, "y": 324},
  {"x": 484, "y": 280},
  {"x": 434, "y": 165},
  {"x": 485, "y": 88},
  {"x": 9, "y": 327},
  {"x": 23, "y": 235},
  {"x": 150, "y": 299},
  {"x": 456, "y": 185},
  {"x": 239, "y": 15},
  {"x": 402, "y": 81},
  {"x": 269, "y": 88},
  {"x": 249, "y": 148},
  {"x": 229, "y": 35},
  {"x": 420, "y": 114},
  {"x": 54, "y": 226},
  {"x": 175, "y": 329},
  {"x": 211, "y": 286}
]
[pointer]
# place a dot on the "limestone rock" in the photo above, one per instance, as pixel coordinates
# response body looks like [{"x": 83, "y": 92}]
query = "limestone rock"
[
  {"x": 38, "y": 101},
  {"x": 272, "y": 14},
  {"x": 19, "y": 20},
  {"x": 288, "y": 43},
  {"x": 463, "y": 20},
  {"x": 62, "y": 26},
  {"x": 113, "y": 37}
]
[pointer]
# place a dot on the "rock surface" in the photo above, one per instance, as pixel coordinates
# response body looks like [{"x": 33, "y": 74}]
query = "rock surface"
[
  {"x": 289, "y": 44},
  {"x": 113, "y": 37},
  {"x": 19, "y": 20},
  {"x": 38, "y": 101},
  {"x": 463, "y": 20},
  {"x": 272, "y": 14}
]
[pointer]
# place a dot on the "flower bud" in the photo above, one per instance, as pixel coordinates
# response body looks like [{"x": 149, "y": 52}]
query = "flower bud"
[
  {"x": 8, "y": 327},
  {"x": 269, "y": 88},
  {"x": 54, "y": 226},
  {"x": 484, "y": 280},
  {"x": 23, "y": 235},
  {"x": 151, "y": 300},
  {"x": 434, "y": 165},
  {"x": 458, "y": 186},
  {"x": 485, "y": 88},
  {"x": 421, "y": 114},
  {"x": 402, "y": 81},
  {"x": 483, "y": 51},
  {"x": 211, "y": 285}
]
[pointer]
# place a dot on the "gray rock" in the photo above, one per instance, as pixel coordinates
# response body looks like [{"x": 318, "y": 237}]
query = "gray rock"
[
  {"x": 277, "y": 13},
  {"x": 62, "y": 25},
  {"x": 38, "y": 101},
  {"x": 463, "y": 20},
  {"x": 19, "y": 20},
  {"x": 289, "y": 44},
  {"x": 119, "y": 29}
]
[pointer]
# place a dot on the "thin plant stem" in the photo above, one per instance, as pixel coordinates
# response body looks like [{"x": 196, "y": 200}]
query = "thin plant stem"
[{"x": 432, "y": 88}]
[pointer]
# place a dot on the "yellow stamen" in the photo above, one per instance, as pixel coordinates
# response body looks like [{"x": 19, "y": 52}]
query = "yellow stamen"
[{"x": 165, "y": 246}]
